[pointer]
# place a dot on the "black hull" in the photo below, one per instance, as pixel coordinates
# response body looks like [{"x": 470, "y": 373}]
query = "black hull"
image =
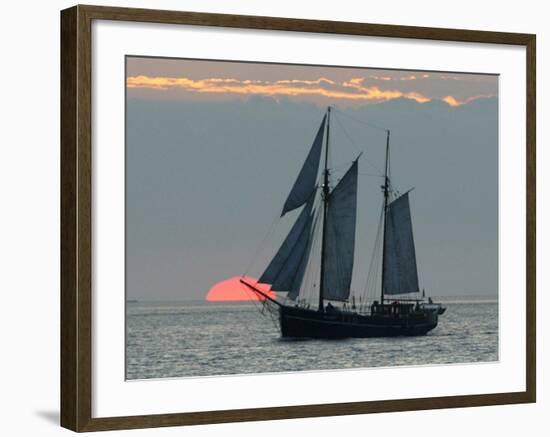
[{"x": 304, "y": 323}]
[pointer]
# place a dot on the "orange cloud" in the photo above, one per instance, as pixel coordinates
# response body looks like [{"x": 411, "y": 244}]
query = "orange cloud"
[
  {"x": 307, "y": 82},
  {"x": 353, "y": 90},
  {"x": 377, "y": 94},
  {"x": 452, "y": 101}
]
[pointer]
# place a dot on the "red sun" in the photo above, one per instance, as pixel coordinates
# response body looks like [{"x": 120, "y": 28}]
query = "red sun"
[{"x": 232, "y": 290}]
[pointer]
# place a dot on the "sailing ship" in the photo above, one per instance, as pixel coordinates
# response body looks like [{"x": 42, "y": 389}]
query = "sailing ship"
[{"x": 334, "y": 219}]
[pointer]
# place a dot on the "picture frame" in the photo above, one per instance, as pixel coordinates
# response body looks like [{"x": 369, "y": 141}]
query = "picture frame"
[{"x": 77, "y": 166}]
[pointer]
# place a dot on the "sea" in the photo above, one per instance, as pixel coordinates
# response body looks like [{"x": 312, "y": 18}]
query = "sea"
[{"x": 198, "y": 338}]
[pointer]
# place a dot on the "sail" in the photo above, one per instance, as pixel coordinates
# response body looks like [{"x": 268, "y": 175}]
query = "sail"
[
  {"x": 305, "y": 183},
  {"x": 340, "y": 237},
  {"x": 282, "y": 269},
  {"x": 400, "y": 274},
  {"x": 298, "y": 278}
]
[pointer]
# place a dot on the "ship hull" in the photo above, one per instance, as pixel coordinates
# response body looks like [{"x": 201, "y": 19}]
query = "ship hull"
[{"x": 304, "y": 323}]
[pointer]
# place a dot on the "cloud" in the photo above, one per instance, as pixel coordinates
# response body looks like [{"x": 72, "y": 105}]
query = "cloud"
[
  {"x": 375, "y": 93},
  {"x": 452, "y": 101},
  {"x": 352, "y": 90}
]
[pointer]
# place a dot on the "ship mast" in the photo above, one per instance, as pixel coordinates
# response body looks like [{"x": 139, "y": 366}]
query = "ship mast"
[
  {"x": 325, "y": 209},
  {"x": 386, "y": 196}
]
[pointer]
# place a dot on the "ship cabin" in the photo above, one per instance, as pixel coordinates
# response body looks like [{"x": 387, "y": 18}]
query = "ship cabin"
[{"x": 395, "y": 308}]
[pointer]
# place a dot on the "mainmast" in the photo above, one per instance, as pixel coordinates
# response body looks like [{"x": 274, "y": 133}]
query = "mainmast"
[
  {"x": 325, "y": 209},
  {"x": 386, "y": 196}
]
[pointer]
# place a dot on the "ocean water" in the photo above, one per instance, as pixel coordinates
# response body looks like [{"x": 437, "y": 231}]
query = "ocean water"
[{"x": 183, "y": 339}]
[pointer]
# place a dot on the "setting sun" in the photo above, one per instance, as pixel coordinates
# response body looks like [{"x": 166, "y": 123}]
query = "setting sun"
[{"x": 232, "y": 290}]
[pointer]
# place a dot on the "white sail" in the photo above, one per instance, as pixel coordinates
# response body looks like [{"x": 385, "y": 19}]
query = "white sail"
[
  {"x": 306, "y": 181},
  {"x": 283, "y": 268},
  {"x": 400, "y": 273},
  {"x": 340, "y": 237}
]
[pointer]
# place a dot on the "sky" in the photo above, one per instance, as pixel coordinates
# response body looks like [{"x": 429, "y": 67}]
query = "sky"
[
  {"x": 213, "y": 148},
  {"x": 176, "y": 79}
]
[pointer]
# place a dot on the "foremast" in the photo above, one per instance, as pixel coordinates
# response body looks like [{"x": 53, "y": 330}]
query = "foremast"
[{"x": 325, "y": 210}]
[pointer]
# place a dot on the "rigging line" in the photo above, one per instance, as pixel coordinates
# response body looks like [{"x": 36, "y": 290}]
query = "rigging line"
[
  {"x": 376, "y": 275},
  {"x": 345, "y": 166},
  {"x": 330, "y": 163},
  {"x": 371, "y": 174},
  {"x": 259, "y": 305},
  {"x": 314, "y": 236},
  {"x": 357, "y": 146},
  {"x": 260, "y": 245},
  {"x": 273, "y": 313},
  {"x": 353, "y": 143},
  {"x": 262, "y": 306},
  {"x": 378, "y": 263},
  {"x": 342, "y": 168},
  {"x": 265, "y": 306},
  {"x": 312, "y": 294},
  {"x": 366, "y": 123},
  {"x": 305, "y": 287},
  {"x": 316, "y": 271},
  {"x": 312, "y": 270},
  {"x": 370, "y": 271},
  {"x": 304, "y": 258},
  {"x": 373, "y": 265}
]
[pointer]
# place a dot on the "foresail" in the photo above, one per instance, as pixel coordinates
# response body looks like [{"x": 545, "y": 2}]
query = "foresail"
[
  {"x": 283, "y": 268},
  {"x": 340, "y": 237},
  {"x": 400, "y": 272},
  {"x": 306, "y": 182},
  {"x": 299, "y": 277}
]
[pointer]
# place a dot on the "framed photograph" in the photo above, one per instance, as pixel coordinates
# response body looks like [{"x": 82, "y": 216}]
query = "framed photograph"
[{"x": 342, "y": 214}]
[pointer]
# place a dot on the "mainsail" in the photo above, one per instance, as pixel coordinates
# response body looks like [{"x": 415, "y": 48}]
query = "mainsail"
[
  {"x": 400, "y": 274},
  {"x": 306, "y": 180},
  {"x": 340, "y": 237},
  {"x": 285, "y": 271}
]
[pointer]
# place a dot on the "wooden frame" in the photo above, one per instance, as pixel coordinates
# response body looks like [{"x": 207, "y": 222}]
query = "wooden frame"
[{"x": 76, "y": 248}]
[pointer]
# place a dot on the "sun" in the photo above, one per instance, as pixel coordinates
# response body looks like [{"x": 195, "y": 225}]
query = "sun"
[{"x": 232, "y": 290}]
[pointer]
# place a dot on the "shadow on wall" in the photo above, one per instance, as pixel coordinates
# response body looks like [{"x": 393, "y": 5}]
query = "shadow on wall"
[{"x": 49, "y": 416}]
